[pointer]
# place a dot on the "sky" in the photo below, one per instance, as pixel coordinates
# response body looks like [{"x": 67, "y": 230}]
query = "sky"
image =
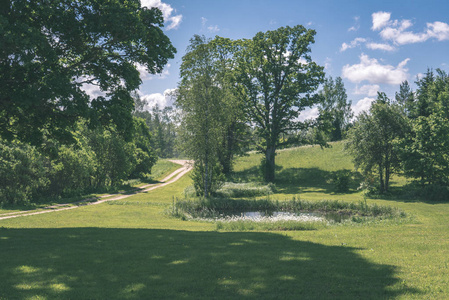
[{"x": 372, "y": 45}]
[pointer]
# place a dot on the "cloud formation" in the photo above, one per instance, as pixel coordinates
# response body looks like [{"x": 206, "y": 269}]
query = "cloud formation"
[
  {"x": 145, "y": 75},
  {"x": 356, "y": 26},
  {"x": 173, "y": 21},
  {"x": 369, "y": 69},
  {"x": 212, "y": 29},
  {"x": 380, "y": 46},
  {"x": 162, "y": 100},
  {"x": 354, "y": 43},
  {"x": 397, "y": 30},
  {"x": 309, "y": 114},
  {"x": 367, "y": 89},
  {"x": 362, "y": 105}
]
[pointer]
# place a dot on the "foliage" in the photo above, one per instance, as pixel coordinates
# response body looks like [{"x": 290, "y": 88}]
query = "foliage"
[
  {"x": 21, "y": 173},
  {"x": 371, "y": 140},
  {"x": 99, "y": 158},
  {"x": 405, "y": 98},
  {"x": 334, "y": 108},
  {"x": 277, "y": 79},
  {"x": 341, "y": 180},
  {"x": 206, "y": 111},
  {"x": 214, "y": 179},
  {"x": 216, "y": 207},
  {"x": 51, "y": 49},
  {"x": 161, "y": 124},
  {"x": 424, "y": 150}
]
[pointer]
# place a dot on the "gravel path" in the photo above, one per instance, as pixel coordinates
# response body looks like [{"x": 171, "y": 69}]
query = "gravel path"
[{"x": 176, "y": 175}]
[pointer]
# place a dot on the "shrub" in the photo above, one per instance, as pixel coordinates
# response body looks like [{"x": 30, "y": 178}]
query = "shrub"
[
  {"x": 22, "y": 173},
  {"x": 341, "y": 180}
]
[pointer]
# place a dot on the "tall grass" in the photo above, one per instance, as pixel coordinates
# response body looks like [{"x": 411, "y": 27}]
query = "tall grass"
[{"x": 215, "y": 207}]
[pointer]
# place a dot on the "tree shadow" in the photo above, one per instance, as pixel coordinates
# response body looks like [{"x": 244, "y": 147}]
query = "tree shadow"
[
  {"x": 298, "y": 180},
  {"x": 97, "y": 263}
]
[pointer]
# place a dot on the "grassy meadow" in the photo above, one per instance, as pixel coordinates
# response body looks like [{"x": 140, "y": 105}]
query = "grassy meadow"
[{"x": 132, "y": 249}]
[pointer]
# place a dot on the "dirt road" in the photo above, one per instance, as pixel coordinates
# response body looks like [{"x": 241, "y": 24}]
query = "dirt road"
[{"x": 176, "y": 175}]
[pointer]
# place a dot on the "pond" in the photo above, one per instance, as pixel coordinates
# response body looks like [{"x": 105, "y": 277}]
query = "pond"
[{"x": 280, "y": 215}]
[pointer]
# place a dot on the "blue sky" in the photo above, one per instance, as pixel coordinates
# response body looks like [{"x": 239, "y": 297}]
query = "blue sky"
[{"x": 372, "y": 45}]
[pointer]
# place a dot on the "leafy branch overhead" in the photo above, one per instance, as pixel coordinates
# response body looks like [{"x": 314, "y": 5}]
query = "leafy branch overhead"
[{"x": 51, "y": 48}]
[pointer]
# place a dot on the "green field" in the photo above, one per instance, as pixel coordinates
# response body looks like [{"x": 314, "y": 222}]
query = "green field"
[{"x": 131, "y": 249}]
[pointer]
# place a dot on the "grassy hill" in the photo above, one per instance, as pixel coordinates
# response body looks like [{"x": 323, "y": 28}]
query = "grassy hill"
[{"x": 131, "y": 249}]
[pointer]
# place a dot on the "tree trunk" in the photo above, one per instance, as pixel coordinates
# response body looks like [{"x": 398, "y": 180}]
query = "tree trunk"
[
  {"x": 269, "y": 167},
  {"x": 387, "y": 178},
  {"x": 382, "y": 185},
  {"x": 206, "y": 178}
]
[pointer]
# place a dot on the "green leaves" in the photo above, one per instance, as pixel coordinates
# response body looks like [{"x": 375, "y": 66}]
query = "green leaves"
[
  {"x": 51, "y": 48},
  {"x": 278, "y": 80}
]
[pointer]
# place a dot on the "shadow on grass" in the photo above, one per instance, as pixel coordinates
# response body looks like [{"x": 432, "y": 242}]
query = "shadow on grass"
[
  {"x": 94, "y": 263},
  {"x": 295, "y": 180}
]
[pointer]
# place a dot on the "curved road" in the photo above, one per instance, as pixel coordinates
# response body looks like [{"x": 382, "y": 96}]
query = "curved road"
[{"x": 186, "y": 167}]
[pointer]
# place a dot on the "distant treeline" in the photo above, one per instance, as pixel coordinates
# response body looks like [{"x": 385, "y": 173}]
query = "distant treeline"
[{"x": 98, "y": 160}]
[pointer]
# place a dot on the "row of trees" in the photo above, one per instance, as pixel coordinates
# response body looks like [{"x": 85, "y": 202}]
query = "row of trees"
[
  {"x": 408, "y": 135},
  {"x": 100, "y": 158},
  {"x": 230, "y": 90}
]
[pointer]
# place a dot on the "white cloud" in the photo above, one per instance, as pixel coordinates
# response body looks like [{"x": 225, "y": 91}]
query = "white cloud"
[
  {"x": 380, "y": 19},
  {"x": 203, "y": 21},
  {"x": 420, "y": 76},
  {"x": 327, "y": 64},
  {"x": 91, "y": 89},
  {"x": 369, "y": 69},
  {"x": 367, "y": 89},
  {"x": 167, "y": 10},
  {"x": 213, "y": 28},
  {"x": 145, "y": 75},
  {"x": 352, "y": 44},
  {"x": 396, "y": 30},
  {"x": 438, "y": 30},
  {"x": 380, "y": 46},
  {"x": 362, "y": 105},
  {"x": 162, "y": 100},
  {"x": 175, "y": 21},
  {"x": 356, "y": 26},
  {"x": 309, "y": 114}
]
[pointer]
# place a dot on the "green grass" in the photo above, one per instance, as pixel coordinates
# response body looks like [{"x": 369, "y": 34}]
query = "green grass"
[{"x": 130, "y": 249}]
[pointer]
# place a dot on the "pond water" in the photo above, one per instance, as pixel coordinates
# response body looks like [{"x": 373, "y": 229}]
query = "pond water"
[{"x": 280, "y": 215}]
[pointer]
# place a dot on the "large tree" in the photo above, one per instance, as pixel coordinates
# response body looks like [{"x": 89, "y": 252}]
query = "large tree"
[
  {"x": 278, "y": 80},
  {"x": 51, "y": 48}
]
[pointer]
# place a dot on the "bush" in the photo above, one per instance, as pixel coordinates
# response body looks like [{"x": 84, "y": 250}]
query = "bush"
[
  {"x": 22, "y": 173},
  {"x": 435, "y": 193},
  {"x": 216, "y": 178},
  {"x": 341, "y": 180}
]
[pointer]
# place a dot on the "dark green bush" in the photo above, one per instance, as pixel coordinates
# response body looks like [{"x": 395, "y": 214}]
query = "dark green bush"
[
  {"x": 341, "y": 180},
  {"x": 22, "y": 173}
]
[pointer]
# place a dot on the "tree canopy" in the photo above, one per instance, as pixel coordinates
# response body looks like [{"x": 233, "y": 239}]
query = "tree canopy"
[
  {"x": 51, "y": 48},
  {"x": 372, "y": 140},
  {"x": 278, "y": 79}
]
